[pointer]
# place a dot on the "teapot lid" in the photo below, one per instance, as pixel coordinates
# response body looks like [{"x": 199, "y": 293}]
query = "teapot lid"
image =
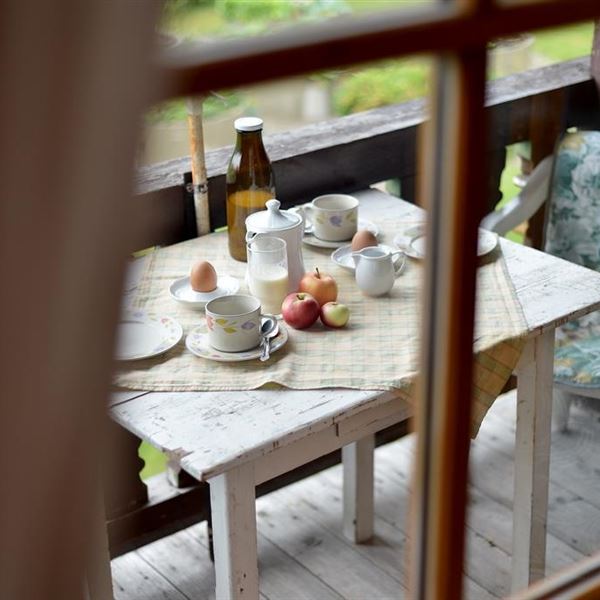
[{"x": 272, "y": 219}]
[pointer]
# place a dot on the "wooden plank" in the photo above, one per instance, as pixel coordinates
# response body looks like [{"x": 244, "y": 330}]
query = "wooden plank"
[
  {"x": 574, "y": 516},
  {"x": 133, "y": 578},
  {"x": 488, "y": 518},
  {"x": 357, "y": 460},
  {"x": 325, "y": 555},
  {"x": 570, "y": 464},
  {"x": 281, "y": 576},
  {"x": 532, "y": 461},
  {"x": 234, "y": 534},
  {"x": 320, "y": 499}
]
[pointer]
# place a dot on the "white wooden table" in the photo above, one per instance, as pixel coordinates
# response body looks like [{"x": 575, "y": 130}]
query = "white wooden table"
[{"x": 236, "y": 440}]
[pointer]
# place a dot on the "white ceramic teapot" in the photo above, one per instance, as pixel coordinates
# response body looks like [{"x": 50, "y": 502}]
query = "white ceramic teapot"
[
  {"x": 285, "y": 225},
  {"x": 375, "y": 270}
]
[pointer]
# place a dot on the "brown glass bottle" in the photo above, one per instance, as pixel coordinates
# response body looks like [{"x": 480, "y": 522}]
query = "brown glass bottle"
[{"x": 250, "y": 182}]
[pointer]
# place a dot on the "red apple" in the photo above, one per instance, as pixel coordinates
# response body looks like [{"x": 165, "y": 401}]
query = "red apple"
[
  {"x": 300, "y": 310},
  {"x": 319, "y": 285},
  {"x": 334, "y": 314}
]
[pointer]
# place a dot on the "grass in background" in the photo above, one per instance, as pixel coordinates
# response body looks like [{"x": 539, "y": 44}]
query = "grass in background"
[
  {"x": 156, "y": 462},
  {"x": 564, "y": 43}
]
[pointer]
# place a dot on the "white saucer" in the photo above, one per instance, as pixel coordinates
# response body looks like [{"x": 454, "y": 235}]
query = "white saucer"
[
  {"x": 141, "y": 335},
  {"x": 343, "y": 256},
  {"x": 311, "y": 240},
  {"x": 182, "y": 291},
  {"x": 197, "y": 343},
  {"x": 413, "y": 241}
]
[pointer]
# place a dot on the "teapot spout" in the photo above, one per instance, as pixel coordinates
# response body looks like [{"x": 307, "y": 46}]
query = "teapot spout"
[{"x": 356, "y": 257}]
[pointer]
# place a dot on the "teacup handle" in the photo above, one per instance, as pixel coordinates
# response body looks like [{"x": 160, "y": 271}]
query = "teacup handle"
[
  {"x": 400, "y": 266},
  {"x": 305, "y": 210}
]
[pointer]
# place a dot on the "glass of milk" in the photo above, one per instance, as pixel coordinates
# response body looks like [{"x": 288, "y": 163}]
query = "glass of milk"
[{"x": 268, "y": 272}]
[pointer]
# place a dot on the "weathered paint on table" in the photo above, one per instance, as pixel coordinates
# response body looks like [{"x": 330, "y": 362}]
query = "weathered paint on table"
[{"x": 259, "y": 434}]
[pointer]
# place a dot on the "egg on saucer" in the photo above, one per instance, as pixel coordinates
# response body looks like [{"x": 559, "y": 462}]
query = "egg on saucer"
[
  {"x": 203, "y": 277},
  {"x": 363, "y": 238}
]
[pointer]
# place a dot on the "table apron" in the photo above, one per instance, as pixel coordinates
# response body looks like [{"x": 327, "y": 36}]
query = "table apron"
[{"x": 339, "y": 434}]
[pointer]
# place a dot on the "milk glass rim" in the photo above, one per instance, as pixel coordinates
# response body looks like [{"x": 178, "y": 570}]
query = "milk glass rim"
[{"x": 256, "y": 240}]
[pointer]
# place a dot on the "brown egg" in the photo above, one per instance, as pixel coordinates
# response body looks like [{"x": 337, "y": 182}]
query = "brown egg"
[
  {"x": 203, "y": 277},
  {"x": 362, "y": 239}
]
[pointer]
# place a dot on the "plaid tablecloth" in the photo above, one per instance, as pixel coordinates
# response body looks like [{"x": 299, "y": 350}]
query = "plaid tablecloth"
[{"x": 378, "y": 350}]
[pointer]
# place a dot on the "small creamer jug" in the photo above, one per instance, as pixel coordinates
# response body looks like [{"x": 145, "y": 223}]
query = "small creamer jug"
[{"x": 375, "y": 270}]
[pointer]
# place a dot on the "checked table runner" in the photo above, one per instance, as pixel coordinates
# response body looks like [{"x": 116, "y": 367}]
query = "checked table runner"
[{"x": 377, "y": 350}]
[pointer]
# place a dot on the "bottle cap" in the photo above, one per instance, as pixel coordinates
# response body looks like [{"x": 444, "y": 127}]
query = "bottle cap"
[{"x": 248, "y": 124}]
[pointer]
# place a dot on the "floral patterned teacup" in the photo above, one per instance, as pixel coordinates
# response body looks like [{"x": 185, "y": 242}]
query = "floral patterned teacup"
[
  {"x": 333, "y": 217},
  {"x": 233, "y": 323}
]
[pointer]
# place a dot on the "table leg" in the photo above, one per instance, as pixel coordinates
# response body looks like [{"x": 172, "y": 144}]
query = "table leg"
[
  {"x": 358, "y": 489},
  {"x": 233, "y": 507},
  {"x": 532, "y": 460}
]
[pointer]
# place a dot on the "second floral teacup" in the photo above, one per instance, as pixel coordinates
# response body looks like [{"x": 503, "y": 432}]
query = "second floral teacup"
[
  {"x": 233, "y": 323},
  {"x": 333, "y": 217}
]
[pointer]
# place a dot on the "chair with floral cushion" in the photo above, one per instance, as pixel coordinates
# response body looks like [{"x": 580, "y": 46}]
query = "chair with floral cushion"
[{"x": 570, "y": 181}]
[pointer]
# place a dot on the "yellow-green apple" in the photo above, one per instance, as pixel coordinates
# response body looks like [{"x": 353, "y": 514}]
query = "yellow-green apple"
[
  {"x": 334, "y": 314},
  {"x": 300, "y": 310},
  {"x": 319, "y": 285}
]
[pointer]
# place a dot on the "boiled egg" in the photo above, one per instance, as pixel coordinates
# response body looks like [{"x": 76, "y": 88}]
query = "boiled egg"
[
  {"x": 363, "y": 238},
  {"x": 203, "y": 277}
]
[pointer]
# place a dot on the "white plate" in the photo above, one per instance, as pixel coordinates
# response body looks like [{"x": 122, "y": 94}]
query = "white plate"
[
  {"x": 197, "y": 343},
  {"x": 311, "y": 240},
  {"x": 181, "y": 290},
  {"x": 414, "y": 245},
  {"x": 141, "y": 335},
  {"x": 343, "y": 256}
]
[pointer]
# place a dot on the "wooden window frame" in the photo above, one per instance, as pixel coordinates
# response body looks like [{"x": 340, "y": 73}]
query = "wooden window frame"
[{"x": 459, "y": 33}]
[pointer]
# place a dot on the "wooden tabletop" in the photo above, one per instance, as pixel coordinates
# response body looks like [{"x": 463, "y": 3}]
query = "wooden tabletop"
[{"x": 209, "y": 432}]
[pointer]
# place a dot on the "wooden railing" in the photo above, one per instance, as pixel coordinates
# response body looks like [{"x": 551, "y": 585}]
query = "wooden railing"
[
  {"x": 344, "y": 154},
  {"x": 353, "y": 152}
]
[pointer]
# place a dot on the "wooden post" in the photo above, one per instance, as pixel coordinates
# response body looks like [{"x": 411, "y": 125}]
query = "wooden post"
[
  {"x": 358, "y": 489},
  {"x": 234, "y": 522},
  {"x": 199, "y": 180},
  {"x": 453, "y": 152},
  {"x": 546, "y": 124},
  {"x": 532, "y": 460}
]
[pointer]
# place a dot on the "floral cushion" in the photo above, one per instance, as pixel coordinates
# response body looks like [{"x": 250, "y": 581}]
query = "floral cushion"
[
  {"x": 573, "y": 233},
  {"x": 578, "y": 363}
]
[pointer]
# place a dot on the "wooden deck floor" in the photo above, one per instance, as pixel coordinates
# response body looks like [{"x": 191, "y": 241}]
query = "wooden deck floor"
[{"x": 303, "y": 554}]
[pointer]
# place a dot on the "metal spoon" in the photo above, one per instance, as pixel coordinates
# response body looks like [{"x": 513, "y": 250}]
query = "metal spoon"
[{"x": 269, "y": 329}]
